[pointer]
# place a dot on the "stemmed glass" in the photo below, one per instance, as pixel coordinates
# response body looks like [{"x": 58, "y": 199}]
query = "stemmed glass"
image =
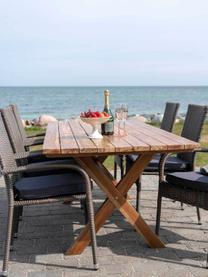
[
  {"x": 118, "y": 116},
  {"x": 124, "y": 109},
  {"x": 121, "y": 114}
]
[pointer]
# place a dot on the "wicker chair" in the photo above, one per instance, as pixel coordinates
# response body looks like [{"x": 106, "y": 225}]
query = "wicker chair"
[
  {"x": 183, "y": 161},
  {"x": 37, "y": 164},
  {"x": 28, "y": 140},
  {"x": 18, "y": 144},
  {"x": 169, "y": 117},
  {"x": 73, "y": 185},
  {"x": 187, "y": 187}
]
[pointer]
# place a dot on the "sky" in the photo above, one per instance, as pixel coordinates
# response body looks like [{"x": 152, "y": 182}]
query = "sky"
[{"x": 103, "y": 42}]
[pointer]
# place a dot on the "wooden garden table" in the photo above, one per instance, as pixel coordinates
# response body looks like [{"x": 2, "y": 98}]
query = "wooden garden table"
[{"x": 69, "y": 138}]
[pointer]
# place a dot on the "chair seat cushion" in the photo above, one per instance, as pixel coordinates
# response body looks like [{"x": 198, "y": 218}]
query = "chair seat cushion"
[
  {"x": 172, "y": 163},
  {"x": 49, "y": 186},
  {"x": 39, "y": 168},
  {"x": 37, "y": 156},
  {"x": 193, "y": 180}
]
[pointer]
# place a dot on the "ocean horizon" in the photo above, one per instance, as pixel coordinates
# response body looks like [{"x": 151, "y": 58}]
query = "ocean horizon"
[{"x": 68, "y": 101}]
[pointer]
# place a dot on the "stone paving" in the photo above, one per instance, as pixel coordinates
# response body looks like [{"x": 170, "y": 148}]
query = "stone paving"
[{"x": 47, "y": 230}]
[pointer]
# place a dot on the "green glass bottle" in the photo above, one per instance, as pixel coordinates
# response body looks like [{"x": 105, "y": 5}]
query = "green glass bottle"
[{"x": 107, "y": 128}]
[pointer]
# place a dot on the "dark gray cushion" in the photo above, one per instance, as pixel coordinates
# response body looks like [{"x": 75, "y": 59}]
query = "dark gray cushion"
[
  {"x": 37, "y": 156},
  {"x": 172, "y": 163},
  {"x": 49, "y": 186},
  {"x": 38, "y": 168},
  {"x": 193, "y": 180}
]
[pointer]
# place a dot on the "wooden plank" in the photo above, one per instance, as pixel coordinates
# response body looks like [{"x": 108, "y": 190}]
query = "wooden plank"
[
  {"x": 154, "y": 143},
  {"x": 113, "y": 143},
  {"x": 51, "y": 143},
  {"x": 67, "y": 141},
  {"x": 188, "y": 144},
  {"x": 103, "y": 145},
  {"x": 136, "y": 143},
  {"x": 175, "y": 139},
  {"x": 85, "y": 144},
  {"x": 151, "y": 132},
  {"x": 107, "y": 208},
  {"x": 121, "y": 145}
]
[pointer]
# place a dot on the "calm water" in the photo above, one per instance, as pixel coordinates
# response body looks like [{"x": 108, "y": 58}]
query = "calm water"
[{"x": 65, "y": 102}]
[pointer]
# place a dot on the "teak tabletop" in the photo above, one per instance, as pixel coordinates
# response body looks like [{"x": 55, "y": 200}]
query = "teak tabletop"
[{"x": 70, "y": 138}]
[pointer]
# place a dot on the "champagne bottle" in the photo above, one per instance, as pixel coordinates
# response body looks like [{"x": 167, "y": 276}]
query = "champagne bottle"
[{"x": 107, "y": 128}]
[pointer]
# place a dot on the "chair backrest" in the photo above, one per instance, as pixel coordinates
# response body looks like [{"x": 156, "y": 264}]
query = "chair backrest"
[
  {"x": 13, "y": 130},
  {"x": 169, "y": 117},
  {"x": 192, "y": 128},
  {"x": 7, "y": 159},
  {"x": 19, "y": 121}
]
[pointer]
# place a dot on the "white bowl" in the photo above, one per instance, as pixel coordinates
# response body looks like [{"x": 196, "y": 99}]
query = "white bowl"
[{"x": 95, "y": 122}]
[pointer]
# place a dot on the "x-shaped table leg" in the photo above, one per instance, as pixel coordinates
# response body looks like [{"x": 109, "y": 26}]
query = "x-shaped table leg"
[{"x": 116, "y": 199}]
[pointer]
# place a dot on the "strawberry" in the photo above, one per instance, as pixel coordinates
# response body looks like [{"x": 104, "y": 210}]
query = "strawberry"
[
  {"x": 106, "y": 114},
  {"x": 92, "y": 114},
  {"x": 98, "y": 114}
]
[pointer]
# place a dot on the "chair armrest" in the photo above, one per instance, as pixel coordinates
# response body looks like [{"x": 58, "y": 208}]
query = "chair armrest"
[
  {"x": 164, "y": 158},
  {"x": 22, "y": 169},
  {"x": 21, "y": 155},
  {"x": 162, "y": 166},
  {"x": 202, "y": 150},
  {"x": 12, "y": 170},
  {"x": 34, "y": 141},
  {"x": 37, "y": 135}
]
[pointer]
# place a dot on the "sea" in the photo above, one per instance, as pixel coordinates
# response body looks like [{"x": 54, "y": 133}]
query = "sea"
[{"x": 68, "y": 102}]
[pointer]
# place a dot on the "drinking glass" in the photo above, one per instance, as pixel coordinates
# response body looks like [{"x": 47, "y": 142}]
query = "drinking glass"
[
  {"x": 118, "y": 116},
  {"x": 124, "y": 109}
]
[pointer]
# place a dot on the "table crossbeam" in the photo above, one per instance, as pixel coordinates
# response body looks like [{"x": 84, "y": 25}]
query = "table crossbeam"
[{"x": 115, "y": 192}]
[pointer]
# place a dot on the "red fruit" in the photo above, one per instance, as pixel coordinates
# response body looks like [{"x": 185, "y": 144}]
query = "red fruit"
[
  {"x": 92, "y": 114},
  {"x": 98, "y": 114},
  {"x": 106, "y": 114}
]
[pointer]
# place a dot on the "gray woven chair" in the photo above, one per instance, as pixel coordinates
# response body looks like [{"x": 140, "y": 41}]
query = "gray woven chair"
[
  {"x": 192, "y": 128},
  {"x": 18, "y": 143},
  {"x": 187, "y": 187},
  {"x": 167, "y": 123},
  {"x": 37, "y": 164},
  {"x": 27, "y": 140},
  {"x": 40, "y": 190}
]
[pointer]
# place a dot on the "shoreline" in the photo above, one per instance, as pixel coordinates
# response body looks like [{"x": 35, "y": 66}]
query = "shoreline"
[{"x": 155, "y": 118}]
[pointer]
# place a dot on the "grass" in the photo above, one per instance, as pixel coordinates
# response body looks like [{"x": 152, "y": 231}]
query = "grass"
[
  {"x": 34, "y": 130},
  {"x": 201, "y": 158}
]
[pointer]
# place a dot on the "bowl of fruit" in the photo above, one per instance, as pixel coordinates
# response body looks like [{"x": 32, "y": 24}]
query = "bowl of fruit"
[{"x": 95, "y": 119}]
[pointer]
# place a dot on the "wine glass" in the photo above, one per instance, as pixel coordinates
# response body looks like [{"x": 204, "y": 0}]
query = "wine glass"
[
  {"x": 118, "y": 116},
  {"x": 124, "y": 109}
]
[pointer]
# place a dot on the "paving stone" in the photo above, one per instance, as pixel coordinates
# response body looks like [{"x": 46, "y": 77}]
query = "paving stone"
[
  {"x": 45, "y": 274},
  {"x": 46, "y": 231},
  {"x": 18, "y": 273}
]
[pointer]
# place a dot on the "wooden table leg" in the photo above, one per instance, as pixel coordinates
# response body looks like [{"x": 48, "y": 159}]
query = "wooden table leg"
[
  {"x": 101, "y": 158},
  {"x": 116, "y": 199}
]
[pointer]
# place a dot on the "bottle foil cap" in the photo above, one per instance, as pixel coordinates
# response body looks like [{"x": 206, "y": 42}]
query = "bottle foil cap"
[{"x": 106, "y": 92}]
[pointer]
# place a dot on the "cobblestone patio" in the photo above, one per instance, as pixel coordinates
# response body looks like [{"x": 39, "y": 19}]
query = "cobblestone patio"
[{"x": 47, "y": 230}]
